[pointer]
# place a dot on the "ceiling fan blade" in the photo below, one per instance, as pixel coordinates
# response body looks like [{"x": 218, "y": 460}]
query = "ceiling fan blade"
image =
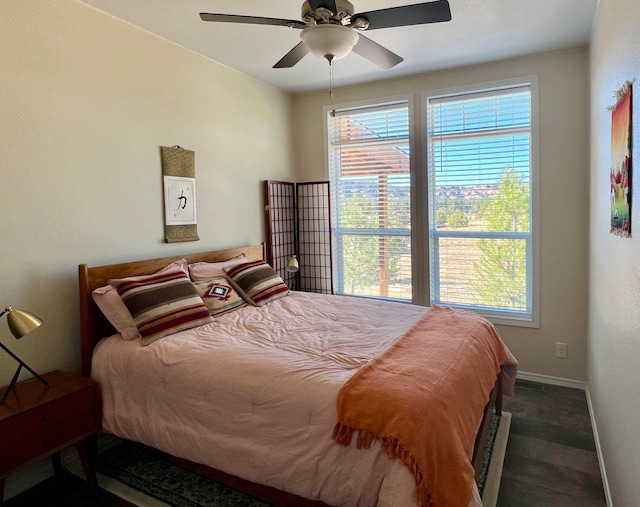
[
  {"x": 292, "y": 57},
  {"x": 417, "y": 14},
  {"x": 327, "y": 4},
  {"x": 254, "y": 20},
  {"x": 376, "y": 53}
]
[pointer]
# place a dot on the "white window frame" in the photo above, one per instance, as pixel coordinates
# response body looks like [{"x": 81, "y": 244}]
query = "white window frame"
[{"x": 523, "y": 319}]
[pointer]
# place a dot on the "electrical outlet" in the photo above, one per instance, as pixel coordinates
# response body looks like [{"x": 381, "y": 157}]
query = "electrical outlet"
[{"x": 561, "y": 350}]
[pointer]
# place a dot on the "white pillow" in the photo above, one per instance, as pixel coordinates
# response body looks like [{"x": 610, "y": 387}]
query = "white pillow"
[
  {"x": 111, "y": 305},
  {"x": 204, "y": 271}
]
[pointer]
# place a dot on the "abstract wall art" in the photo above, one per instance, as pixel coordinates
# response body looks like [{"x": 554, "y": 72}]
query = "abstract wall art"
[{"x": 620, "y": 170}]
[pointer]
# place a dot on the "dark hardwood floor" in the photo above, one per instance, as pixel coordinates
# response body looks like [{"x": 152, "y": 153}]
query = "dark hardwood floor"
[
  {"x": 550, "y": 461},
  {"x": 551, "y": 456},
  {"x": 66, "y": 490}
]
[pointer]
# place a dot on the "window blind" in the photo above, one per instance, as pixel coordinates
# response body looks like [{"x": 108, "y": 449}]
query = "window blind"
[
  {"x": 479, "y": 159},
  {"x": 369, "y": 171}
]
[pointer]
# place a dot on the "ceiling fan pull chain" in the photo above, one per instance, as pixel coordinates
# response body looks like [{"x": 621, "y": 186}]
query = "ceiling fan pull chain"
[{"x": 331, "y": 80}]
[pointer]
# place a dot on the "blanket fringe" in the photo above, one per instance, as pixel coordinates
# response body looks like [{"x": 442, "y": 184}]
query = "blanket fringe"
[
  {"x": 395, "y": 450},
  {"x": 365, "y": 439},
  {"x": 343, "y": 434}
]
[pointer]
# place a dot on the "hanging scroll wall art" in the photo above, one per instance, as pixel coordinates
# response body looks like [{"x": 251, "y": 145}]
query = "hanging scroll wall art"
[
  {"x": 620, "y": 171},
  {"x": 179, "y": 173}
]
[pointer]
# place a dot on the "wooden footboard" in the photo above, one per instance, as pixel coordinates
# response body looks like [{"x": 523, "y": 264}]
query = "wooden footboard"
[
  {"x": 268, "y": 494},
  {"x": 494, "y": 405}
]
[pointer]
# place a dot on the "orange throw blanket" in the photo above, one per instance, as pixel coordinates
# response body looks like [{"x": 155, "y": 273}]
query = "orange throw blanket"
[{"x": 424, "y": 397}]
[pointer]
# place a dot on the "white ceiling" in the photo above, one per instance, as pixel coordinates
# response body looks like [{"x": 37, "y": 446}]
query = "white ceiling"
[{"x": 480, "y": 31}]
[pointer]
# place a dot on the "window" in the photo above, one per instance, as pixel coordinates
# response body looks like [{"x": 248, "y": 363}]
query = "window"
[
  {"x": 479, "y": 183},
  {"x": 482, "y": 202},
  {"x": 369, "y": 170}
]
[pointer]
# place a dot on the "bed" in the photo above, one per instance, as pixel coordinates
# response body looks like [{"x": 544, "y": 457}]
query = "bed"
[{"x": 256, "y": 399}]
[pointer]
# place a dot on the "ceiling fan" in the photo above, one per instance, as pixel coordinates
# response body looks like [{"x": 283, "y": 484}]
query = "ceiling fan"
[{"x": 331, "y": 30}]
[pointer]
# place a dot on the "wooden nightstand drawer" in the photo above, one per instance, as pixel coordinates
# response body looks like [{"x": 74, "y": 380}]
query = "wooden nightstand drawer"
[
  {"x": 41, "y": 418},
  {"x": 57, "y": 435},
  {"x": 38, "y": 421}
]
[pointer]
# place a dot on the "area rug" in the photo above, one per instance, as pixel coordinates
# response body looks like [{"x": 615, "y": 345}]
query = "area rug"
[
  {"x": 496, "y": 448},
  {"x": 140, "y": 476}
]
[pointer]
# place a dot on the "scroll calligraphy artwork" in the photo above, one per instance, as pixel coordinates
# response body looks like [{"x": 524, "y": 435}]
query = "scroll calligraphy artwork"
[{"x": 179, "y": 173}]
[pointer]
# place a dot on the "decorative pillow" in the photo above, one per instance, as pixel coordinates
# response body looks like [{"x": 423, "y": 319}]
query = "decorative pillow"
[
  {"x": 205, "y": 271},
  {"x": 112, "y": 307},
  {"x": 219, "y": 296},
  {"x": 257, "y": 282},
  {"x": 116, "y": 312},
  {"x": 162, "y": 304}
]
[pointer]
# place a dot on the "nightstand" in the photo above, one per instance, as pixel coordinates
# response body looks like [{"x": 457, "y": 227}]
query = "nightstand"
[{"x": 38, "y": 421}]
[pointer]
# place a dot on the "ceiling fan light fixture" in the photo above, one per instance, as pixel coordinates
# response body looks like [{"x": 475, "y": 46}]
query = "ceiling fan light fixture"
[{"x": 329, "y": 41}]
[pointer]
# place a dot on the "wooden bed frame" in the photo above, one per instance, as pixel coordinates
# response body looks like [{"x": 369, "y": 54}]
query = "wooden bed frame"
[{"x": 94, "y": 326}]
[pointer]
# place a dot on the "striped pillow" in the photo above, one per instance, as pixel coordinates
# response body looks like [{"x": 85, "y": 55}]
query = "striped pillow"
[
  {"x": 113, "y": 308},
  {"x": 256, "y": 282},
  {"x": 162, "y": 304}
]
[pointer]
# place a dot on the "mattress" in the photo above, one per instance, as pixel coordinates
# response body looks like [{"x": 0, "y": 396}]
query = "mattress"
[{"x": 253, "y": 394}]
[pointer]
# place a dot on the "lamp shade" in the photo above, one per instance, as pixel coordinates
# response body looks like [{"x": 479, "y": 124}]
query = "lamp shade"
[
  {"x": 292, "y": 265},
  {"x": 21, "y": 322},
  {"x": 329, "y": 41}
]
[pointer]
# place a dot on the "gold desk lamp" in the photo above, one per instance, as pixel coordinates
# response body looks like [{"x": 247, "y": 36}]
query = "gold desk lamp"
[{"x": 20, "y": 324}]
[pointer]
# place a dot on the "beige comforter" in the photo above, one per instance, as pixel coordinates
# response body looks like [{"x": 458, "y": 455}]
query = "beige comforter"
[{"x": 254, "y": 395}]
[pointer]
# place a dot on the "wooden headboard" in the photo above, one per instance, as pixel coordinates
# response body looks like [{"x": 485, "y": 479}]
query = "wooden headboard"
[{"x": 94, "y": 326}]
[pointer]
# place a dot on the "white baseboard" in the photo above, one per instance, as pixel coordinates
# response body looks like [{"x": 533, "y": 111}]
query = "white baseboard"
[
  {"x": 603, "y": 471},
  {"x": 556, "y": 381}
]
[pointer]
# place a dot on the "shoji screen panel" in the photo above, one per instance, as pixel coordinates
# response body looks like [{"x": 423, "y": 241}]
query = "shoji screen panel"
[
  {"x": 280, "y": 200},
  {"x": 314, "y": 237}
]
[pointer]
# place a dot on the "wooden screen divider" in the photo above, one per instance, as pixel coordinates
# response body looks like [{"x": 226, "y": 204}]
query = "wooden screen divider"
[
  {"x": 298, "y": 222},
  {"x": 280, "y": 209}
]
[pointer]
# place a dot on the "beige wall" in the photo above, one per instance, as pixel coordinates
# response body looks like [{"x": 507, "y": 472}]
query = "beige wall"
[
  {"x": 614, "y": 274},
  {"x": 563, "y": 161},
  {"x": 86, "y": 101}
]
